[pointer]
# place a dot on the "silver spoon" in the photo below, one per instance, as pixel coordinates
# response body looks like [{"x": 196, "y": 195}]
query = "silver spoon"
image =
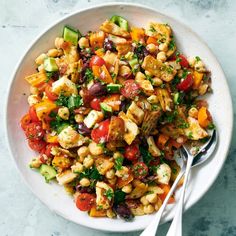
[{"x": 192, "y": 160}]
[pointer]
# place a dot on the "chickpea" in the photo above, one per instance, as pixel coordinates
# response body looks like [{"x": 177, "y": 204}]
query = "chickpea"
[
  {"x": 156, "y": 81},
  {"x": 140, "y": 76},
  {"x": 83, "y": 43},
  {"x": 158, "y": 204},
  {"x": 125, "y": 71},
  {"x": 34, "y": 90},
  {"x": 79, "y": 118},
  {"x": 144, "y": 200},
  {"x": 127, "y": 188},
  {"x": 95, "y": 149},
  {"x": 64, "y": 113},
  {"x": 163, "y": 47},
  {"x": 112, "y": 181},
  {"x": 199, "y": 66},
  {"x": 110, "y": 213},
  {"x": 40, "y": 59},
  {"x": 83, "y": 152},
  {"x": 149, "y": 209},
  {"x": 110, "y": 174},
  {"x": 52, "y": 52},
  {"x": 77, "y": 168},
  {"x": 117, "y": 155},
  {"x": 59, "y": 42},
  {"x": 193, "y": 112},
  {"x": 152, "y": 198},
  {"x": 151, "y": 48},
  {"x": 88, "y": 161},
  {"x": 123, "y": 172},
  {"x": 85, "y": 182},
  {"x": 161, "y": 56}
]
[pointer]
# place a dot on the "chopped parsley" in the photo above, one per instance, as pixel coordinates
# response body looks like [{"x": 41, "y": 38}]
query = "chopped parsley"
[
  {"x": 72, "y": 102},
  {"x": 149, "y": 78},
  {"x": 211, "y": 126},
  {"x": 109, "y": 194},
  {"x": 190, "y": 135},
  {"x": 113, "y": 75},
  {"x": 152, "y": 29},
  {"x": 171, "y": 45},
  {"x": 89, "y": 75},
  {"x": 198, "y": 58},
  {"x": 62, "y": 100},
  {"x": 91, "y": 173},
  {"x": 147, "y": 157},
  {"x": 119, "y": 163}
]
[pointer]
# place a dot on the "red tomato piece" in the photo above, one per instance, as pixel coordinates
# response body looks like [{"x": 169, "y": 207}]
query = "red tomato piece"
[
  {"x": 140, "y": 170},
  {"x": 85, "y": 201},
  {"x": 96, "y": 61},
  {"x": 100, "y": 134},
  {"x": 34, "y": 131},
  {"x": 49, "y": 148},
  {"x": 52, "y": 96},
  {"x": 132, "y": 152},
  {"x": 25, "y": 120},
  {"x": 37, "y": 145},
  {"x": 95, "y": 103},
  {"x": 186, "y": 84},
  {"x": 33, "y": 114},
  {"x": 130, "y": 89},
  {"x": 183, "y": 61}
]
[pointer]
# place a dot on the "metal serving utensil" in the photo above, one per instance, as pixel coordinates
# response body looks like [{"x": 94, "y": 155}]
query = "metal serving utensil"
[{"x": 189, "y": 160}]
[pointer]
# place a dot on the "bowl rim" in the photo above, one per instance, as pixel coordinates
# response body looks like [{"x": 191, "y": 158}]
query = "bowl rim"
[{"x": 48, "y": 28}]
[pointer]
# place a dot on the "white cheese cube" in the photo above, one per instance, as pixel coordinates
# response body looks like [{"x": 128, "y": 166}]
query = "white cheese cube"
[
  {"x": 92, "y": 118},
  {"x": 64, "y": 85}
]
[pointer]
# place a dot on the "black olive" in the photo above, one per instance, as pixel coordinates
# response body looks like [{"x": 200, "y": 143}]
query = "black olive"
[
  {"x": 109, "y": 45},
  {"x": 98, "y": 89},
  {"x": 83, "y": 129},
  {"x": 123, "y": 212}
]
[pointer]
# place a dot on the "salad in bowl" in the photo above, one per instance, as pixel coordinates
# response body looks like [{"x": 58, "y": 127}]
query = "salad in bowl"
[{"x": 108, "y": 112}]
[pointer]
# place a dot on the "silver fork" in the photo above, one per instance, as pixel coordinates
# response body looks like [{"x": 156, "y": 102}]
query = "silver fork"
[{"x": 189, "y": 161}]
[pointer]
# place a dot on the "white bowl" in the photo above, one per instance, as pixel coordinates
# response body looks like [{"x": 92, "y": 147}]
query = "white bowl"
[{"x": 188, "y": 42}]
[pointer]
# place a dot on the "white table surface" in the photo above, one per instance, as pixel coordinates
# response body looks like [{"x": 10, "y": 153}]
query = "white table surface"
[{"x": 21, "y": 213}]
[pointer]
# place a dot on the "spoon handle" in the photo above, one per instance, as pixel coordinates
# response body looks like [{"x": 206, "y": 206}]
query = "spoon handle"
[
  {"x": 176, "y": 225},
  {"x": 152, "y": 227}
]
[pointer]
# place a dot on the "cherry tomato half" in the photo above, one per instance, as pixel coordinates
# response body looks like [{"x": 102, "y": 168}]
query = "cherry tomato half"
[
  {"x": 132, "y": 152},
  {"x": 52, "y": 96},
  {"x": 96, "y": 61},
  {"x": 130, "y": 89},
  {"x": 34, "y": 131},
  {"x": 140, "y": 170},
  {"x": 100, "y": 134},
  {"x": 37, "y": 145},
  {"x": 85, "y": 201},
  {"x": 95, "y": 103},
  {"x": 186, "y": 84},
  {"x": 183, "y": 61},
  {"x": 33, "y": 114},
  {"x": 25, "y": 120}
]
